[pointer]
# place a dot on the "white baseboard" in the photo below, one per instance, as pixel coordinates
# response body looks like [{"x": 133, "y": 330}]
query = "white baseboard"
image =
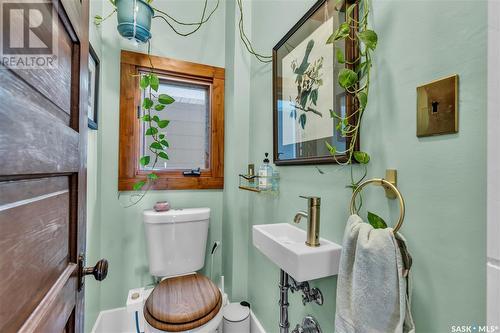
[
  {"x": 255, "y": 325},
  {"x": 119, "y": 321}
]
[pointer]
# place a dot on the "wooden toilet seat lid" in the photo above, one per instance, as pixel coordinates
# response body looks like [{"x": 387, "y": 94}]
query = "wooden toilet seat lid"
[{"x": 178, "y": 301}]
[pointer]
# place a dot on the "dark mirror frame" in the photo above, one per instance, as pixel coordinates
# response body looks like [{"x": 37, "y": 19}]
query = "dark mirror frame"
[
  {"x": 92, "y": 123},
  {"x": 351, "y": 54}
]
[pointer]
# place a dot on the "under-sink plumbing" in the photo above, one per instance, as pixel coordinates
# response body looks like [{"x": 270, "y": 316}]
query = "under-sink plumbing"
[
  {"x": 308, "y": 294},
  {"x": 309, "y": 324}
]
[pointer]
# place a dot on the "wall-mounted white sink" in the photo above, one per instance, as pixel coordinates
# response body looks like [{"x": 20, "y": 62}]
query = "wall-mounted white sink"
[{"x": 285, "y": 245}]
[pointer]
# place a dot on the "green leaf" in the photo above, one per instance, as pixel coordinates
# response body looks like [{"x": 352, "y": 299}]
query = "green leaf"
[
  {"x": 314, "y": 96},
  {"x": 362, "y": 98},
  {"x": 361, "y": 157},
  {"x": 163, "y": 123},
  {"x": 302, "y": 120},
  {"x": 341, "y": 33},
  {"x": 347, "y": 78},
  {"x": 147, "y": 103},
  {"x": 161, "y": 136},
  {"x": 338, "y": 126},
  {"x": 152, "y": 176},
  {"x": 376, "y": 221},
  {"x": 154, "y": 81},
  {"x": 165, "y": 99},
  {"x": 159, "y": 107},
  {"x": 340, "y": 56},
  {"x": 331, "y": 149},
  {"x": 361, "y": 67},
  {"x": 139, "y": 185},
  {"x": 151, "y": 131},
  {"x": 144, "y": 83},
  {"x": 369, "y": 38},
  {"x": 156, "y": 118},
  {"x": 333, "y": 114},
  {"x": 146, "y": 117},
  {"x": 144, "y": 160},
  {"x": 165, "y": 143},
  {"x": 349, "y": 10},
  {"x": 303, "y": 99},
  {"x": 156, "y": 145},
  {"x": 163, "y": 155}
]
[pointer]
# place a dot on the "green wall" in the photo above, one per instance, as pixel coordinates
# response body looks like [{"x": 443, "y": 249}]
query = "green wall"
[{"x": 442, "y": 178}]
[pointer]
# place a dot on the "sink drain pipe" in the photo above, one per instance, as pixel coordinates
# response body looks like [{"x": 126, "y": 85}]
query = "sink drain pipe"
[{"x": 284, "y": 286}]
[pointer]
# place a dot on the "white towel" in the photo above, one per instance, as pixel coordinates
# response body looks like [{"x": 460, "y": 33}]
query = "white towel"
[{"x": 371, "y": 287}]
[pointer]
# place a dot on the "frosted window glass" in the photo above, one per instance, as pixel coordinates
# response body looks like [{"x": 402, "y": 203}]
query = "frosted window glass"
[{"x": 189, "y": 128}]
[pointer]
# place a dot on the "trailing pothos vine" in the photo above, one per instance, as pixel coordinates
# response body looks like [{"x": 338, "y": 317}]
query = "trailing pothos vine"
[
  {"x": 149, "y": 83},
  {"x": 167, "y": 18},
  {"x": 355, "y": 79}
]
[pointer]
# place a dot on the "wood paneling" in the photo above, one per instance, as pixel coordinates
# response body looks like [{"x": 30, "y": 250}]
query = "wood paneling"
[
  {"x": 15, "y": 191},
  {"x": 34, "y": 245},
  {"x": 55, "y": 84},
  {"x": 43, "y": 132},
  {"x": 217, "y": 128},
  {"x": 55, "y": 309},
  {"x": 34, "y": 133},
  {"x": 173, "y": 66},
  {"x": 128, "y": 170},
  {"x": 129, "y": 124}
]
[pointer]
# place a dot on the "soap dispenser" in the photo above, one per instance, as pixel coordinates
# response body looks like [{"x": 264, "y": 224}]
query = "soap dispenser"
[{"x": 265, "y": 175}]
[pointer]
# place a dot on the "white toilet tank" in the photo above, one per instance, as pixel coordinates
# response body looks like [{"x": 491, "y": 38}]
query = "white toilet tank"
[{"x": 176, "y": 240}]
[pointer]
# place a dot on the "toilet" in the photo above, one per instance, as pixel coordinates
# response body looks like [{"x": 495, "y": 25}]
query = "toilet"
[{"x": 183, "y": 301}]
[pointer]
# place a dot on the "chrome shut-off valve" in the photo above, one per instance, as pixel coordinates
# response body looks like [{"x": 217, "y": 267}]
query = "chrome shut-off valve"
[
  {"x": 308, "y": 294},
  {"x": 309, "y": 325}
]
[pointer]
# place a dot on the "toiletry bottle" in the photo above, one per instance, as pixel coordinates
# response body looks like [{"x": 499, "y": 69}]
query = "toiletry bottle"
[{"x": 265, "y": 175}]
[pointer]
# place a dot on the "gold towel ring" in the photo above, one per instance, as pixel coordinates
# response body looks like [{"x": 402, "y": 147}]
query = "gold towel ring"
[{"x": 384, "y": 183}]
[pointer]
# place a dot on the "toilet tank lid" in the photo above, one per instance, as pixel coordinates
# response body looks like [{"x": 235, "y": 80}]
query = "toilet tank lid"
[{"x": 176, "y": 215}]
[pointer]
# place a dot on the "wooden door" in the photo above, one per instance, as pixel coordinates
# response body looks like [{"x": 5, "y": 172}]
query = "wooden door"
[{"x": 43, "y": 129}]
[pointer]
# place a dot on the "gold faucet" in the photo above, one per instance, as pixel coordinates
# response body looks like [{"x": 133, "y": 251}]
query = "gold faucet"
[{"x": 312, "y": 215}]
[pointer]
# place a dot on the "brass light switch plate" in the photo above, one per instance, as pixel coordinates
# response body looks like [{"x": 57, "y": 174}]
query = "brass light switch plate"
[{"x": 437, "y": 107}]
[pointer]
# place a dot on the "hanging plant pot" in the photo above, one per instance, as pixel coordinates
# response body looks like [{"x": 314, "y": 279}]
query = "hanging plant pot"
[{"x": 134, "y": 19}]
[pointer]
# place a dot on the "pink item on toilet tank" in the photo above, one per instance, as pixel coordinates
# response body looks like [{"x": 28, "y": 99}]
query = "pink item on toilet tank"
[{"x": 162, "y": 206}]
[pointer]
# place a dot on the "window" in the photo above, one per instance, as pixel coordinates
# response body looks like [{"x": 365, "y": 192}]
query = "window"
[
  {"x": 195, "y": 131},
  {"x": 189, "y": 128}
]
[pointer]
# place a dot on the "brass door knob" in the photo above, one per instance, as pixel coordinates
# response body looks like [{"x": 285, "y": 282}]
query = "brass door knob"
[{"x": 99, "y": 271}]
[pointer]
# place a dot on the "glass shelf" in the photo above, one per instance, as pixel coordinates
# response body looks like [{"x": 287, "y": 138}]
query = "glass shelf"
[{"x": 251, "y": 183}]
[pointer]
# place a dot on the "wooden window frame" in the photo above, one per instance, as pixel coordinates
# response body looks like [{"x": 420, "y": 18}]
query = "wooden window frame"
[{"x": 130, "y": 100}]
